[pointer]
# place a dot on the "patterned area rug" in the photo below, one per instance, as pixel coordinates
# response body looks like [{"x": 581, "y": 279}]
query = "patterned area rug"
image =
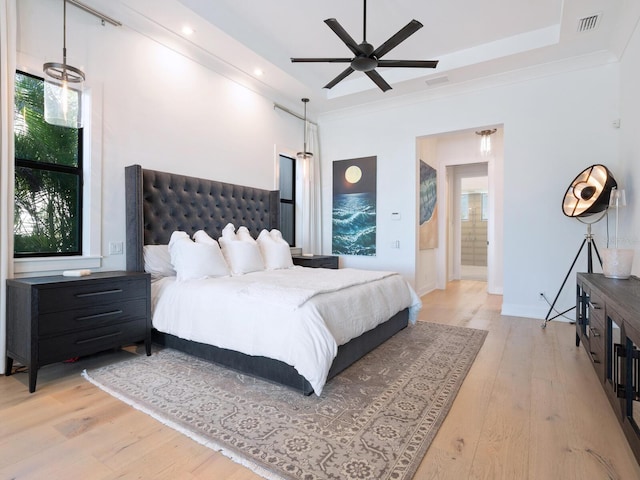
[{"x": 373, "y": 421}]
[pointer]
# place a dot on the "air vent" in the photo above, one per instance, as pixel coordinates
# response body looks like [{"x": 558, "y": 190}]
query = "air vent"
[
  {"x": 437, "y": 80},
  {"x": 591, "y": 22}
]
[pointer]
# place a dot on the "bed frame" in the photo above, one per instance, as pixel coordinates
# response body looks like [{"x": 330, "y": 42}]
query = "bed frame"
[{"x": 158, "y": 203}]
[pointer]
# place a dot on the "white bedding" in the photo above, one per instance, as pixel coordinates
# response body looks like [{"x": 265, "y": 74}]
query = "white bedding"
[{"x": 297, "y": 315}]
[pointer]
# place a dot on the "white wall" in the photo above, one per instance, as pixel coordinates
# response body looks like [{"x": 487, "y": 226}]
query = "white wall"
[
  {"x": 156, "y": 108},
  {"x": 629, "y": 170},
  {"x": 554, "y": 127}
]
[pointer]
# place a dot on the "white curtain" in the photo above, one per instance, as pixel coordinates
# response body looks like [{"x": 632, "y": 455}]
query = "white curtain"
[
  {"x": 312, "y": 198},
  {"x": 8, "y": 24}
]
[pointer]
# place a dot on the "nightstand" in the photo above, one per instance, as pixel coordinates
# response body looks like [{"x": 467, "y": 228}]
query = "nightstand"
[
  {"x": 316, "y": 261},
  {"x": 51, "y": 319}
]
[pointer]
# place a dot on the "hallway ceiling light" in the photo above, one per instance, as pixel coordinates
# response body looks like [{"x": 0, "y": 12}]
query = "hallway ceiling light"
[
  {"x": 62, "y": 101},
  {"x": 485, "y": 141}
]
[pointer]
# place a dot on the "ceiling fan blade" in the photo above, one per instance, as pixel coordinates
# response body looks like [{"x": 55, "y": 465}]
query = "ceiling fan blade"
[
  {"x": 405, "y": 32},
  {"x": 378, "y": 80},
  {"x": 328, "y": 60},
  {"x": 408, "y": 63},
  {"x": 344, "y": 36},
  {"x": 339, "y": 78}
]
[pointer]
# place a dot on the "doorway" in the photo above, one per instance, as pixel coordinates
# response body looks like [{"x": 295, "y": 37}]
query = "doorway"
[
  {"x": 473, "y": 228},
  {"x": 456, "y": 156}
]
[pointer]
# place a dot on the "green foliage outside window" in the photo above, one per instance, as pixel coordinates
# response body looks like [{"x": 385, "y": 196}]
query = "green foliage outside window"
[{"x": 48, "y": 183}]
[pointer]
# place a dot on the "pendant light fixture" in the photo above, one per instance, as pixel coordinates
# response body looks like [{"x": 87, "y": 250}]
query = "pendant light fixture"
[
  {"x": 63, "y": 86},
  {"x": 485, "y": 141},
  {"x": 304, "y": 154}
]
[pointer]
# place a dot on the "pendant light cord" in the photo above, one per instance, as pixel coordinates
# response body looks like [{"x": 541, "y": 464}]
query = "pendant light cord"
[
  {"x": 64, "y": 35},
  {"x": 305, "y": 100}
]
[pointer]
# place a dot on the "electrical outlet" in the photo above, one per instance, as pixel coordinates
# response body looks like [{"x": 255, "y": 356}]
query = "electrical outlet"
[{"x": 115, "y": 248}]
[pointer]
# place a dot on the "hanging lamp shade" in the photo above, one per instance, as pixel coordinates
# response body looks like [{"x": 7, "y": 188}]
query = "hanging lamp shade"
[
  {"x": 589, "y": 192},
  {"x": 63, "y": 85}
]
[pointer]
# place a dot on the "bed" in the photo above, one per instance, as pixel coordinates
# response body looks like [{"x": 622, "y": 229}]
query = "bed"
[{"x": 160, "y": 203}]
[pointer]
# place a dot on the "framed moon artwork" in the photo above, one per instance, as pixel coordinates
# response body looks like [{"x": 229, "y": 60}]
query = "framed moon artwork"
[{"x": 354, "y": 207}]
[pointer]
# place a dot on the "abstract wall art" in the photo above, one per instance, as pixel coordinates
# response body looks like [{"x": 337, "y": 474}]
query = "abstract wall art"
[{"x": 428, "y": 207}]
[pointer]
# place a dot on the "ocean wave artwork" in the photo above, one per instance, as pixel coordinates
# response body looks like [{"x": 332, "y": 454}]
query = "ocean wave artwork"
[{"x": 354, "y": 224}]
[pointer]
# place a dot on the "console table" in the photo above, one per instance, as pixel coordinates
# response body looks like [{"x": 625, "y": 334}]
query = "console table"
[
  {"x": 608, "y": 325},
  {"x": 51, "y": 319}
]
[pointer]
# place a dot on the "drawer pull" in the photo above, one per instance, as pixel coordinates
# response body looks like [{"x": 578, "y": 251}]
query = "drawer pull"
[
  {"x": 101, "y": 337},
  {"x": 99, "y": 315},
  {"x": 595, "y": 358},
  {"x": 95, "y": 294},
  {"x": 595, "y": 332},
  {"x": 595, "y": 306}
]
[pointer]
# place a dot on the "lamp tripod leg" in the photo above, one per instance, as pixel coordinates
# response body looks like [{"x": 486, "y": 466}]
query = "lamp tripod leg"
[{"x": 553, "y": 304}]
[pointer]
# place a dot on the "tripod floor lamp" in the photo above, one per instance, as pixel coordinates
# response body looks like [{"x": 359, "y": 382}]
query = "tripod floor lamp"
[{"x": 586, "y": 200}]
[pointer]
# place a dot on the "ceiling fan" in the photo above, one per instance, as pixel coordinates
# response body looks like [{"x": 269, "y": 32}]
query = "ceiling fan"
[{"x": 367, "y": 58}]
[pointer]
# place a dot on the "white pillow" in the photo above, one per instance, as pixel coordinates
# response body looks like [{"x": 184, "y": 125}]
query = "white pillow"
[
  {"x": 275, "y": 250},
  {"x": 244, "y": 235},
  {"x": 194, "y": 261},
  {"x": 240, "y": 250},
  {"x": 228, "y": 233},
  {"x": 242, "y": 257},
  {"x": 157, "y": 261},
  {"x": 203, "y": 237}
]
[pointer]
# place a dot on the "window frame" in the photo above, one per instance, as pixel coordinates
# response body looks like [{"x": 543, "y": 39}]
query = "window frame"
[
  {"x": 77, "y": 171},
  {"x": 293, "y": 200},
  {"x": 91, "y": 257}
]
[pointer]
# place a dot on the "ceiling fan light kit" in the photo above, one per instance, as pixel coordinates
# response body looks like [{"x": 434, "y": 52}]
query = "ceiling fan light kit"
[{"x": 366, "y": 57}]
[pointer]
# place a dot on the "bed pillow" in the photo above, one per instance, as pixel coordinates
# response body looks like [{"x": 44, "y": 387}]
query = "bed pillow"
[
  {"x": 244, "y": 235},
  {"x": 241, "y": 251},
  {"x": 157, "y": 261},
  {"x": 228, "y": 233},
  {"x": 195, "y": 261},
  {"x": 275, "y": 250},
  {"x": 203, "y": 237}
]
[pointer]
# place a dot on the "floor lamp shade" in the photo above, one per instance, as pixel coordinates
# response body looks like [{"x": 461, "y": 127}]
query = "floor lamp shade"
[{"x": 589, "y": 192}]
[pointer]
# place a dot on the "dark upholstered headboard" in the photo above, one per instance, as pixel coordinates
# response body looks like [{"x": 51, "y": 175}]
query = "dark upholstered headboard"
[{"x": 159, "y": 203}]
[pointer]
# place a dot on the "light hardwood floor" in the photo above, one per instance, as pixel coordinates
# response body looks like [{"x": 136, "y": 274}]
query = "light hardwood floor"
[{"x": 530, "y": 408}]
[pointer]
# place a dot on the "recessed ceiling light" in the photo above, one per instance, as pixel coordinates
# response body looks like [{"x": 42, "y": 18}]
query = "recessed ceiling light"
[
  {"x": 258, "y": 72},
  {"x": 187, "y": 30}
]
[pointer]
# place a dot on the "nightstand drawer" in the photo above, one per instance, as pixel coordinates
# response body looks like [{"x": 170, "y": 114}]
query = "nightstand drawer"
[
  {"x": 92, "y": 316},
  {"x": 77, "y": 344},
  {"x": 80, "y": 294},
  {"x": 316, "y": 261}
]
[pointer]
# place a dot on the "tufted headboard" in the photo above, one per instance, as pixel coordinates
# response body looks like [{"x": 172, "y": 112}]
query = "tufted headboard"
[{"x": 158, "y": 203}]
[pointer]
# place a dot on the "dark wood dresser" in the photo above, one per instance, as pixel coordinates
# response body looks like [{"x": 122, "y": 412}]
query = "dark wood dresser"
[
  {"x": 51, "y": 319},
  {"x": 608, "y": 325},
  {"x": 316, "y": 261}
]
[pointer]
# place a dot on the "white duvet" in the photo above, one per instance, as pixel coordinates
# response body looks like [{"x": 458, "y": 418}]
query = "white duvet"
[{"x": 297, "y": 315}]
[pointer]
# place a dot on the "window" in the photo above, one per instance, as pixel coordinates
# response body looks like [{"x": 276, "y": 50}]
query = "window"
[
  {"x": 288, "y": 199},
  {"x": 48, "y": 183}
]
